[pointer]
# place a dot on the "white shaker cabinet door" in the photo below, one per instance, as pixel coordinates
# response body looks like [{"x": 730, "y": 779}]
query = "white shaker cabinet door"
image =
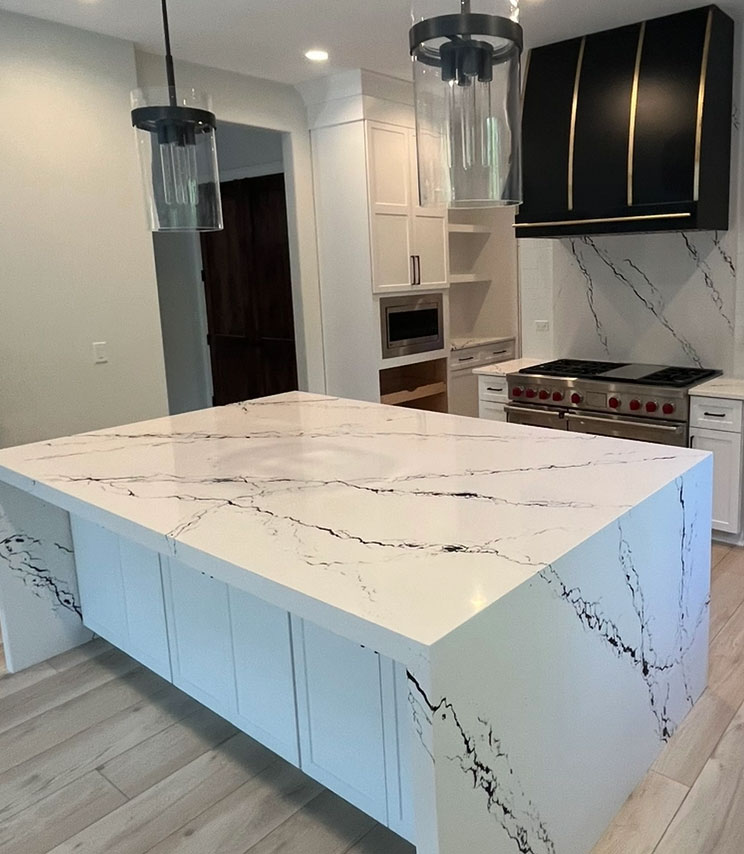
[
  {"x": 430, "y": 248},
  {"x": 121, "y": 594},
  {"x": 198, "y": 615},
  {"x": 727, "y": 475},
  {"x": 430, "y": 239},
  {"x": 340, "y": 714},
  {"x": 264, "y": 674},
  {"x": 390, "y": 207}
]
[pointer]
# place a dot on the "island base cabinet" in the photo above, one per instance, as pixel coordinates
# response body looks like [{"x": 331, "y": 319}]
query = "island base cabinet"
[
  {"x": 349, "y": 724},
  {"x": 232, "y": 652},
  {"x": 121, "y": 594}
]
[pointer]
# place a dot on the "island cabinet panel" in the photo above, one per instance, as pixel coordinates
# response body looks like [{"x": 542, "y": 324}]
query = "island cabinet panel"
[
  {"x": 264, "y": 674},
  {"x": 232, "y": 652},
  {"x": 121, "y": 594},
  {"x": 341, "y": 709},
  {"x": 199, "y": 630}
]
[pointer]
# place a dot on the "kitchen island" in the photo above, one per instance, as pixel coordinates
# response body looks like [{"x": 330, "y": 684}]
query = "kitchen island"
[{"x": 481, "y": 634}]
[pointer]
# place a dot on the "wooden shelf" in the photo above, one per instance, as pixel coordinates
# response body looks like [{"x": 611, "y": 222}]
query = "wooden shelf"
[
  {"x": 467, "y": 278},
  {"x": 459, "y": 228},
  {"x": 397, "y": 398}
]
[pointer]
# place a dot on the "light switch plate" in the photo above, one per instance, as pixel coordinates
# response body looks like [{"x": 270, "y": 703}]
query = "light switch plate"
[{"x": 100, "y": 352}]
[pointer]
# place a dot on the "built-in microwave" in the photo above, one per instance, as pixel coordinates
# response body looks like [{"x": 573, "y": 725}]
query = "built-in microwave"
[{"x": 411, "y": 324}]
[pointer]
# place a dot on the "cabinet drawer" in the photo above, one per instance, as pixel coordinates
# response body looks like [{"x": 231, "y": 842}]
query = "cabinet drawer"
[
  {"x": 479, "y": 356},
  {"x": 716, "y": 414},
  {"x": 493, "y": 389}
]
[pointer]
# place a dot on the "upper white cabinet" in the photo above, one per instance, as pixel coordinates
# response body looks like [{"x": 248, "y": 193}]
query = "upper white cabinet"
[
  {"x": 121, "y": 594},
  {"x": 408, "y": 242}
]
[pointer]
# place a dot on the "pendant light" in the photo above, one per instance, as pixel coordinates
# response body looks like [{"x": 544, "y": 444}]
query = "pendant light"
[
  {"x": 468, "y": 111},
  {"x": 175, "y": 133}
]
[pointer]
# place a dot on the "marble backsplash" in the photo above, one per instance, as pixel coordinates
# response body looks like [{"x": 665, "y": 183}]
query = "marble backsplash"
[{"x": 667, "y": 298}]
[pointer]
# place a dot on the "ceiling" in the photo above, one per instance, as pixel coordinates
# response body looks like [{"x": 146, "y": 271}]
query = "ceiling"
[{"x": 268, "y": 38}]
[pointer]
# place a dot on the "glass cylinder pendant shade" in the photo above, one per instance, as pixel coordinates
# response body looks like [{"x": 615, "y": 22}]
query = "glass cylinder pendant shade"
[
  {"x": 468, "y": 105},
  {"x": 177, "y": 148}
]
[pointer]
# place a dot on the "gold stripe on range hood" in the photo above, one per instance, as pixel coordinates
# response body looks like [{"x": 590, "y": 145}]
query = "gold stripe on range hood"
[
  {"x": 701, "y": 105},
  {"x": 572, "y": 134},
  {"x": 638, "y": 218},
  {"x": 634, "y": 111}
]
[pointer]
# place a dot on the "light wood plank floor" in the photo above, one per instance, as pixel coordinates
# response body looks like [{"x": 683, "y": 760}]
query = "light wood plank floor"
[{"x": 99, "y": 755}]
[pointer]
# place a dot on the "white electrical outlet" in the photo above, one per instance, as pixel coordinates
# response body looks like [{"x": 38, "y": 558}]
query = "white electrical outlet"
[
  {"x": 542, "y": 325},
  {"x": 100, "y": 352}
]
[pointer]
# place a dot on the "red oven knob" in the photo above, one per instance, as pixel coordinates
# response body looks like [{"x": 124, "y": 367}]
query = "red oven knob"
[
  {"x": 669, "y": 409},
  {"x": 652, "y": 406},
  {"x": 635, "y": 405},
  {"x": 614, "y": 403},
  {"x": 530, "y": 392},
  {"x": 544, "y": 394},
  {"x": 557, "y": 396},
  {"x": 518, "y": 391},
  {"x": 576, "y": 397}
]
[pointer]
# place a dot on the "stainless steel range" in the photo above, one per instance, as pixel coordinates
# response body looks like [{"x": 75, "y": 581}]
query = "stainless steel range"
[{"x": 648, "y": 403}]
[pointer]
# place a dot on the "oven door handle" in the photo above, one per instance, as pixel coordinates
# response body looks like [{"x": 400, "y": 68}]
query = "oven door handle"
[{"x": 619, "y": 423}]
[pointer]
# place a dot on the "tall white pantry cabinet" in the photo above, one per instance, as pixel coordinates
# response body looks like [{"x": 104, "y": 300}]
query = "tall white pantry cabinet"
[{"x": 374, "y": 239}]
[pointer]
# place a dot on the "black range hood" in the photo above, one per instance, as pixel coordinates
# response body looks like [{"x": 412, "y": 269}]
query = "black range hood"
[{"x": 629, "y": 130}]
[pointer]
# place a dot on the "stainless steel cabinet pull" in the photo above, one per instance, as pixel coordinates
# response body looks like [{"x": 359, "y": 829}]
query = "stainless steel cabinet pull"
[
  {"x": 714, "y": 414},
  {"x": 417, "y": 268},
  {"x": 466, "y": 359},
  {"x": 499, "y": 352},
  {"x": 488, "y": 388},
  {"x": 413, "y": 269}
]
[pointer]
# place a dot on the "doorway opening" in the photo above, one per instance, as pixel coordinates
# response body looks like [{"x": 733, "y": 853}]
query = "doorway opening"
[{"x": 226, "y": 306}]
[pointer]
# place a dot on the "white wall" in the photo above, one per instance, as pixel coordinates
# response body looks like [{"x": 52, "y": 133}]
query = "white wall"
[
  {"x": 246, "y": 152},
  {"x": 76, "y": 262},
  {"x": 183, "y": 321},
  {"x": 274, "y": 106}
]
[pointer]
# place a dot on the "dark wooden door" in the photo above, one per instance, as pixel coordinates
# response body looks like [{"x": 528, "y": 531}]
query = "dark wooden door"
[{"x": 249, "y": 293}]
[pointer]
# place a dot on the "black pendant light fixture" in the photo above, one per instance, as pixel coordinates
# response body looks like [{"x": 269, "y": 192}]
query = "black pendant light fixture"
[
  {"x": 467, "y": 90},
  {"x": 175, "y": 132}
]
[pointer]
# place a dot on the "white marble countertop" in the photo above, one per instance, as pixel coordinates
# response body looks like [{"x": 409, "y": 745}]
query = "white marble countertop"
[
  {"x": 501, "y": 369},
  {"x": 457, "y": 344},
  {"x": 728, "y": 388},
  {"x": 394, "y": 522}
]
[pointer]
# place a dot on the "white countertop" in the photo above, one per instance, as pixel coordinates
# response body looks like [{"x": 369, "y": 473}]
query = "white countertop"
[
  {"x": 501, "y": 369},
  {"x": 728, "y": 388},
  {"x": 466, "y": 343},
  {"x": 391, "y": 519}
]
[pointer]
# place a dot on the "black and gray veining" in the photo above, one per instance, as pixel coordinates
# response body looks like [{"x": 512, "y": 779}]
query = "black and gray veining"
[
  {"x": 483, "y": 759},
  {"x": 352, "y": 502},
  {"x": 22, "y": 557}
]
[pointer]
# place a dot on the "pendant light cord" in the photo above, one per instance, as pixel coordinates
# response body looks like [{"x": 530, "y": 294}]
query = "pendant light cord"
[{"x": 169, "y": 70}]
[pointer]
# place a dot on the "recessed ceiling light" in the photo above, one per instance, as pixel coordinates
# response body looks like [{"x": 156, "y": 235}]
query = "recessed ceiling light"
[{"x": 317, "y": 55}]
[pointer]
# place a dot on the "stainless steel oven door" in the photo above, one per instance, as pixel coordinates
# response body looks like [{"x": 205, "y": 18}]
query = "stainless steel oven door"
[
  {"x": 638, "y": 429},
  {"x": 536, "y": 417}
]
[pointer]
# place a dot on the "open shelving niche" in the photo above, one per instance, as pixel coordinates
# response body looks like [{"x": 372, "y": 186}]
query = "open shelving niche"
[
  {"x": 483, "y": 272},
  {"x": 422, "y": 385}
]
